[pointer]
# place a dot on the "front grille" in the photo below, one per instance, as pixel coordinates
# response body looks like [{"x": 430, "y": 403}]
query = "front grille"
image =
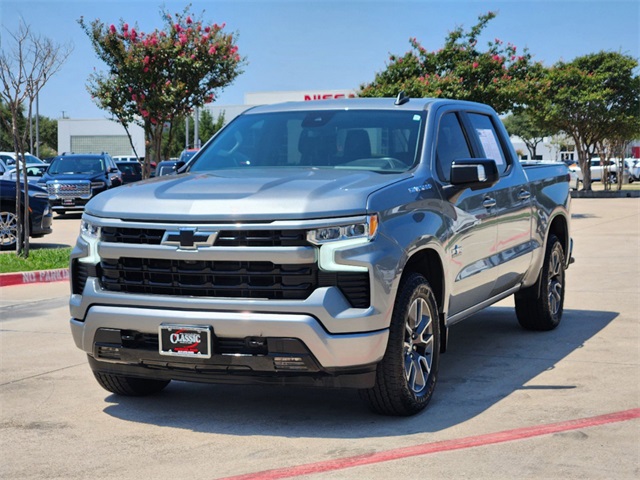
[
  {"x": 77, "y": 189},
  {"x": 138, "y": 236},
  {"x": 262, "y": 238},
  {"x": 264, "y": 280},
  {"x": 209, "y": 279},
  {"x": 225, "y": 238}
]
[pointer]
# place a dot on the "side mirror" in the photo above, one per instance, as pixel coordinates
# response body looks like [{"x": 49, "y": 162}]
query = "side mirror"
[
  {"x": 179, "y": 166},
  {"x": 474, "y": 173}
]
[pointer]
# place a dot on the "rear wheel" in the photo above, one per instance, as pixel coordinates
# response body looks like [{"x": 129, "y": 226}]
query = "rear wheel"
[
  {"x": 406, "y": 376},
  {"x": 8, "y": 228},
  {"x": 130, "y": 386},
  {"x": 540, "y": 306}
]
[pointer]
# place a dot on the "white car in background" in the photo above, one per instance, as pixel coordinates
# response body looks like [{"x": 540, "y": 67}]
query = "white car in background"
[
  {"x": 634, "y": 169},
  {"x": 34, "y": 172},
  {"x": 9, "y": 158},
  {"x": 598, "y": 169}
]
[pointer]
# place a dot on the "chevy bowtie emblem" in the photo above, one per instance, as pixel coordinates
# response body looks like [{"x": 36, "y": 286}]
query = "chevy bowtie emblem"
[{"x": 189, "y": 238}]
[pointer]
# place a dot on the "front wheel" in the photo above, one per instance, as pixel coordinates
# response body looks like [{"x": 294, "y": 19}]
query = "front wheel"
[
  {"x": 406, "y": 376},
  {"x": 8, "y": 228},
  {"x": 129, "y": 386},
  {"x": 540, "y": 306}
]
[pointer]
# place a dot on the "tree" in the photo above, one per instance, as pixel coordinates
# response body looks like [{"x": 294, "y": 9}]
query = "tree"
[
  {"x": 524, "y": 126},
  {"x": 24, "y": 70},
  {"x": 593, "y": 98},
  {"x": 208, "y": 127},
  {"x": 498, "y": 76},
  {"x": 158, "y": 78}
]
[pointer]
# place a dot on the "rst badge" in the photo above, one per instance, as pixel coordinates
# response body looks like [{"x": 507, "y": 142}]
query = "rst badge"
[{"x": 185, "y": 341}]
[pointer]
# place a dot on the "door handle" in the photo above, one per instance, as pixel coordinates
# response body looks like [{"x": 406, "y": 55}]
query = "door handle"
[
  {"x": 524, "y": 195},
  {"x": 489, "y": 202}
]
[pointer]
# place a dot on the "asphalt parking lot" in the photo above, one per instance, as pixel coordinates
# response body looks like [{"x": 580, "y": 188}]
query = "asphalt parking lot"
[{"x": 509, "y": 403}]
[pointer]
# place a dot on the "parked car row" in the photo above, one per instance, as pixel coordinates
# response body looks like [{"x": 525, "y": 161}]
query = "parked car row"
[
  {"x": 601, "y": 169},
  {"x": 40, "y": 216}
]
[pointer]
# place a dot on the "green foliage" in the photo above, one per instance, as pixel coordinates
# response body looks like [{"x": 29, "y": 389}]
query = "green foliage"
[
  {"x": 48, "y": 132},
  {"x": 525, "y": 126},
  {"x": 41, "y": 259},
  {"x": 207, "y": 128},
  {"x": 593, "y": 99},
  {"x": 158, "y": 78},
  {"x": 498, "y": 76}
]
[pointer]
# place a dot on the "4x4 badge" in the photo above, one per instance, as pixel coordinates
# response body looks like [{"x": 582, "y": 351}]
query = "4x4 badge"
[{"x": 189, "y": 238}]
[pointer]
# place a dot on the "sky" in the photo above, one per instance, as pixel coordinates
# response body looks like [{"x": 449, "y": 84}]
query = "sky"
[{"x": 322, "y": 44}]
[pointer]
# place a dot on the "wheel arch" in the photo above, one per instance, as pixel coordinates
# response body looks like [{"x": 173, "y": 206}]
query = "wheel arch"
[
  {"x": 428, "y": 263},
  {"x": 560, "y": 228}
]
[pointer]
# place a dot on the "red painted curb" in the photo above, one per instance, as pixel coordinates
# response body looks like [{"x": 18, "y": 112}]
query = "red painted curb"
[
  {"x": 436, "y": 447},
  {"x": 38, "y": 276}
]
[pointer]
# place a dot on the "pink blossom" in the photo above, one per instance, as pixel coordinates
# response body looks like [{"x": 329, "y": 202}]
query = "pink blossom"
[
  {"x": 168, "y": 82},
  {"x": 146, "y": 60},
  {"x": 125, "y": 27},
  {"x": 496, "y": 58},
  {"x": 212, "y": 50},
  {"x": 144, "y": 113},
  {"x": 145, "y": 69},
  {"x": 207, "y": 29},
  {"x": 475, "y": 64},
  {"x": 112, "y": 28},
  {"x": 177, "y": 27},
  {"x": 183, "y": 39},
  {"x": 193, "y": 57},
  {"x": 189, "y": 21},
  {"x": 134, "y": 97}
]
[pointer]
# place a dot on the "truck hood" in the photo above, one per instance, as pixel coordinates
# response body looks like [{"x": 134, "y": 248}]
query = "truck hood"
[{"x": 238, "y": 195}]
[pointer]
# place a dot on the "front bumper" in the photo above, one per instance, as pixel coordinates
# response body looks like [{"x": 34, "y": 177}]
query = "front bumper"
[{"x": 239, "y": 320}]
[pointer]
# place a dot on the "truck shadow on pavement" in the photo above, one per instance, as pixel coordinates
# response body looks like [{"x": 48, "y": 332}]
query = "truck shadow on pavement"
[{"x": 489, "y": 358}]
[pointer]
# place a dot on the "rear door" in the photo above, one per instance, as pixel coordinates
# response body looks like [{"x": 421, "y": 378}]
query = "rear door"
[{"x": 512, "y": 211}]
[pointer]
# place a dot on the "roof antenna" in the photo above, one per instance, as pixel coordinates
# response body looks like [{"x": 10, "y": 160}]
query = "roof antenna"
[{"x": 401, "y": 99}]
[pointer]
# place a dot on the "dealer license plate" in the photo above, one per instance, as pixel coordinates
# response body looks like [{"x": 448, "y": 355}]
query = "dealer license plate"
[{"x": 185, "y": 341}]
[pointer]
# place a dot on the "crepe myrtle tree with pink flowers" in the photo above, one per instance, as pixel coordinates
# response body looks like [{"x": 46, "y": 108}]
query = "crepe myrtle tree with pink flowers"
[
  {"x": 500, "y": 76},
  {"x": 157, "y": 79}
]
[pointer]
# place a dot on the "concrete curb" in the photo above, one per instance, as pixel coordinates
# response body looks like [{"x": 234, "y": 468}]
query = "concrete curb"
[
  {"x": 607, "y": 194},
  {"x": 38, "y": 276}
]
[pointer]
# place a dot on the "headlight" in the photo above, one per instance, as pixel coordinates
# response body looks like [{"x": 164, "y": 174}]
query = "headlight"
[
  {"x": 365, "y": 230},
  {"x": 38, "y": 194},
  {"x": 97, "y": 184},
  {"x": 89, "y": 230}
]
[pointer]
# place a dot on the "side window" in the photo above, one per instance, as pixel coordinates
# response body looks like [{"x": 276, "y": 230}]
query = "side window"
[
  {"x": 489, "y": 139},
  {"x": 451, "y": 145}
]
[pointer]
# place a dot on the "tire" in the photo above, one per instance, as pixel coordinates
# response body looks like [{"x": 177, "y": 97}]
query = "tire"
[
  {"x": 130, "y": 386},
  {"x": 406, "y": 376},
  {"x": 8, "y": 228},
  {"x": 540, "y": 306}
]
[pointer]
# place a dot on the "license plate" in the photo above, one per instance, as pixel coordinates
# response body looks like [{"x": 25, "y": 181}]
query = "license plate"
[
  {"x": 185, "y": 341},
  {"x": 68, "y": 201}
]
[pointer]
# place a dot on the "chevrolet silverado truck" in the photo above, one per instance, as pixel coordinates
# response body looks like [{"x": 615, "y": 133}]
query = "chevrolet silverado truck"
[{"x": 328, "y": 243}]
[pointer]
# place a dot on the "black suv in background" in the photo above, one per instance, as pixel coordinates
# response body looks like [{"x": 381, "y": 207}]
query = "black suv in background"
[{"x": 73, "y": 179}]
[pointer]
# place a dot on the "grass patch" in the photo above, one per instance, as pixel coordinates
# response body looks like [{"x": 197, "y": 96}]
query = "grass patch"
[{"x": 41, "y": 259}]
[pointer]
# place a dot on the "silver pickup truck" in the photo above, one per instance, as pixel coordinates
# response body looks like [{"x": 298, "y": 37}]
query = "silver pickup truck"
[{"x": 328, "y": 243}]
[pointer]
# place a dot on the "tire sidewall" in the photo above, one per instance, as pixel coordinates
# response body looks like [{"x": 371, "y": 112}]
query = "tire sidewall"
[{"x": 415, "y": 286}]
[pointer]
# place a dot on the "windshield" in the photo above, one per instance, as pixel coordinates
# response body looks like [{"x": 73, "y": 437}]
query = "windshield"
[
  {"x": 76, "y": 165},
  {"x": 383, "y": 141}
]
